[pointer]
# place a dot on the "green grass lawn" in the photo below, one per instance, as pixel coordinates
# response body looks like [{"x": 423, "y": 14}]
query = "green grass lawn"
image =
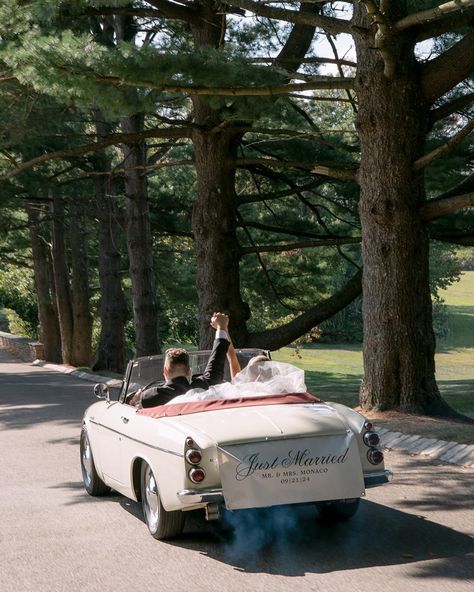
[{"x": 334, "y": 372}]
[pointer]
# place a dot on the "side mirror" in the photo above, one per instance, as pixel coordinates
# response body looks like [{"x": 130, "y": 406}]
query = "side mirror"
[{"x": 101, "y": 391}]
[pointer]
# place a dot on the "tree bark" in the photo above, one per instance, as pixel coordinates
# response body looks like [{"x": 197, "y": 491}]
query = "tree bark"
[
  {"x": 113, "y": 309},
  {"x": 48, "y": 320},
  {"x": 214, "y": 214},
  {"x": 61, "y": 281},
  {"x": 138, "y": 231},
  {"x": 215, "y": 239},
  {"x": 82, "y": 318},
  {"x": 399, "y": 343},
  {"x": 139, "y": 242},
  {"x": 110, "y": 353}
]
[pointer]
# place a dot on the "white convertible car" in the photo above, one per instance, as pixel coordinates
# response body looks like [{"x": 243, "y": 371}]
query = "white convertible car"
[{"x": 256, "y": 449}]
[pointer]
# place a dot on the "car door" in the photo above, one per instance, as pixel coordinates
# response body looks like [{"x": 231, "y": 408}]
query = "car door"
[{"x": 111, "y": 430}]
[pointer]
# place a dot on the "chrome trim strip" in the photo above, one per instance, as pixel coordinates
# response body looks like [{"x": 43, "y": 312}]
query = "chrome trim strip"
[
  {"x": 374, "y": 479},
  {"x": 180, "y": 454},
  {"x": 228, "y": 453},
  {"x": 281, "y": 438},
  {"x": 193, "y": 496}
]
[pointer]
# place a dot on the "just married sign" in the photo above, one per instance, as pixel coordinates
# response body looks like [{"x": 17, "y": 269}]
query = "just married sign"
[{"x": 292, "y": 471}]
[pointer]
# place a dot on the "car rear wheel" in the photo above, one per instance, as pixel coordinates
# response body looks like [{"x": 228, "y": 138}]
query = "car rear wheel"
[
  {"x": 335, "y": 511},
  {"x": 92, "y": 482},
  {"x": 161, "y": 524}
]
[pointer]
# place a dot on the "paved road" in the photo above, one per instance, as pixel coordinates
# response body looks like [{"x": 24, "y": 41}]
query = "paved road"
[{"x": 415, "y": 535}]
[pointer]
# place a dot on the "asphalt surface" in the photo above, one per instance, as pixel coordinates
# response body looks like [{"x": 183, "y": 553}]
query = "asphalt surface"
[{"x": 416, "y": 534}]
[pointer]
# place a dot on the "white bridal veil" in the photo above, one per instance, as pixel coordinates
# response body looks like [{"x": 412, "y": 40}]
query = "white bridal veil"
[{"x": 260, "y": 379}]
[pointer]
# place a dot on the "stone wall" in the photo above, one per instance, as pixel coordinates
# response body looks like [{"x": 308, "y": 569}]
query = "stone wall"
[{"x": 22, "y": 347}]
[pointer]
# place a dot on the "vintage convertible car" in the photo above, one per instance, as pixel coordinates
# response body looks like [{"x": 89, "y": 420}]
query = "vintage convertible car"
[{"x": 240, "y": 452}]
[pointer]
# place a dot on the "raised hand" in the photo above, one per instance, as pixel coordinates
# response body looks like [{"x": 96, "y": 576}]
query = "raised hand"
[{"x": 220, "y": 320}]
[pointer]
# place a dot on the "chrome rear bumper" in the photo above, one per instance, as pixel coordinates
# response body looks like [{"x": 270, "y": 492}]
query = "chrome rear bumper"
[
  {"x": 216, "y": 496},
  {"x": 374, "y": 479},
  {"x": 198, "y": 496}
]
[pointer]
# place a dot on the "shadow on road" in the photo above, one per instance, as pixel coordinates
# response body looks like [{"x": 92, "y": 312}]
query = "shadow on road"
[
  {"x": 31, "y": 398},
  {"x": 439, "y": 496},
  {"x": 291, "y": 541}
]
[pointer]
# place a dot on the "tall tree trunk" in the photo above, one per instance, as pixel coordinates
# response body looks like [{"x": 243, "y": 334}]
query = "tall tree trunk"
[
  {"x": 48, "y": 320},
  {"x": 138, "y": 231},
  {"x": 139, "y": 242},
  {"x": 61, "y": 281},
  {"x": 215, "y": 210},
  {"x": 82, "y": 318},
  {"x": 113, "y": 309},
  {"x": 399, "y": 343},
  {"x": 214, "y": 214},
  {"x": 215, "y": 240}
]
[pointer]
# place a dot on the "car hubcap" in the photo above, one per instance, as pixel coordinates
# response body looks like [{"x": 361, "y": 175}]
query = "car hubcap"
[
  {"x": 87, "y": 460},
  {"x": 151, "y": 499}
]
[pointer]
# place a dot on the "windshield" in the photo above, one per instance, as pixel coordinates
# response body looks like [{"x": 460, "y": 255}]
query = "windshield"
[{"x": 150, "y": 369}]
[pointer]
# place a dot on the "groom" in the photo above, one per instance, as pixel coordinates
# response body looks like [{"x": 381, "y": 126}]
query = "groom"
[{"x": 177, "y": 371}]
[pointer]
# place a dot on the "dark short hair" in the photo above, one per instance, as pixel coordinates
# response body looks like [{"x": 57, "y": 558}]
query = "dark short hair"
[{"x": 176, "y": 356}]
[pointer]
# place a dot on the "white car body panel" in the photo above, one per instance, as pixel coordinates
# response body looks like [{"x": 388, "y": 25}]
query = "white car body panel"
[
  {"x": 119, "y": 435},
  {"x": 291, "y": 471}
]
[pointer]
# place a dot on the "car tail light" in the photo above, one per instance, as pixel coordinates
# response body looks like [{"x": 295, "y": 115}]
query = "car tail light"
[
  {"x": 368, "y": 425},
  {"x": 193, "y": 456},
  {"x": 189, "y": 442},
  {"x": 196, "y": 475},
  {"x": 371, "y": 439},
  {"x": 375, "y": 456}
]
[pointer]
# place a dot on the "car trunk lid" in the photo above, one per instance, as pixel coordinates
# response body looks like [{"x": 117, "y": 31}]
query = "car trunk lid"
[{"x": 249, "y": 424}]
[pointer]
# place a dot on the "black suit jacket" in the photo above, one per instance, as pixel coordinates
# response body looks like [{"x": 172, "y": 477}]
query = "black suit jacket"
[{"x": 213, "y": 374}]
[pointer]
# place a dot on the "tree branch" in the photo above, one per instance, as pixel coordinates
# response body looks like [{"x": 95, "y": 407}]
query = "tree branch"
[
  {"x": 172, "y": 10},
  {"x": 444, "y": 148},
  {"x": 289, "y": 231},
  {"x": 318, "y": 98},
  {"x": 465, "y": 186},
  {"x": 244, "y": 199},
  {"x": 439, "y": 27},
  {"x": 107, "y": 10},
  {"x": 432, "y": 14},
  {"x": 350, "y": 98},
  {"x": 310, "y": 60},
  {"x": 449, "y": 69},
  {"x": 273, "y": 339},
  {"x": 316, "y": 135},
  {"x": 323, "y": 169},
  {"x": 299, "y": 40},
  {"x": 332, "y": 25},
  {"x": 119, "y": 172},
  {"x": 333, "y": 173},
  {"x": 463, "y": 238},
  {"x": 328, "y": 242},
  {"x": 451, "y": 107},
  {"x": 315, "y": 209},
  {"x": 262, "y": 262},
  {"x": 321, "y": 83},
  {"x": 382, "y": 36},
  {"x": 436, "y": 208},
  {"x": 94, "y": 147}
]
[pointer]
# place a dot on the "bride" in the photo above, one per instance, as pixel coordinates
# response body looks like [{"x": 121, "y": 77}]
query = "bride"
[{"x": 261, "y": 377}]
